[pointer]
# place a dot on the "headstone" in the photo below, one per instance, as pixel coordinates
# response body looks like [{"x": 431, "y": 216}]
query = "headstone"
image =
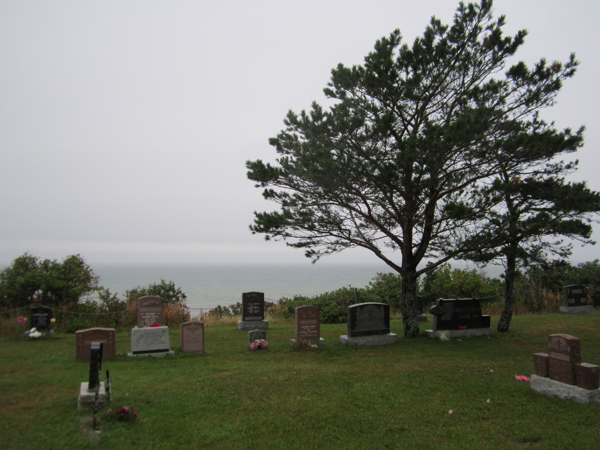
[
  {"x": 540, "y": 364},
  {"x": 308, "y": 323},
  {"x": 588, "y": 376},
  {"x": 253, "y": 306},
  {"x": 192, "y": 337},
  {"x": 368, "y": 319},
  {"x": 368, "y": 324},
  {"x": 150, "y": 311},
  {"x": 575, "y": 295},
  {"x": 458, "y": 314},
  {"x": 564, "y": 352},
  {"x": 84, "y": 339},
  {"x": 152, "y": 341},
  {"x": 253, "y": 312},
  {"x": 256, "y": 335},
  {"x": 95, "y": 365},
  {"x": 40, "y": 317}
]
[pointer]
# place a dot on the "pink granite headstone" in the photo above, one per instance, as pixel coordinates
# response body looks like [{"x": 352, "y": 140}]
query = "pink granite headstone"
[
  {"x": 192, "y": 337},
  {"x": 84, "y": 339},
  {"x": 150, "y": 311}
]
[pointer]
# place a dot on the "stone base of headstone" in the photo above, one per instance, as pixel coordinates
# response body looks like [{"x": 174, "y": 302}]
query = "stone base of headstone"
[
  {"x": 380, "y": 339},
  {"x": 448, "y": 334},
  {"x": 575, "y": 309},
  {"x": 154, "y": 354},
  {"x": 87, "y": 398},
  {"x": 551, "y": 387},
  {"x": 422, "y": 317},
  {"x": 250, "y": 325},
  {"x": 307, "y": 344}
]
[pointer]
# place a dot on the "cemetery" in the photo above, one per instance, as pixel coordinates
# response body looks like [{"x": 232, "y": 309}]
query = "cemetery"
[{"x": 387, "y": 389}]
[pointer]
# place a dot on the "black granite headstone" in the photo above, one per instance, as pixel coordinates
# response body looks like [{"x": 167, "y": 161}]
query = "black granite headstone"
[
  {"x": 39, "y": 318},
  {"x": 575, "y": 295},
  {"x": 458, "y": 314},
  {"x": 368, "y": 319},
  {"x": 95, "y": 364},
  {"x": 253, "y": 306}
]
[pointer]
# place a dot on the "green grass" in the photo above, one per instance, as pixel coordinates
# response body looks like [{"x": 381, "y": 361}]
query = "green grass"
[{"x": 395, "y": 396}]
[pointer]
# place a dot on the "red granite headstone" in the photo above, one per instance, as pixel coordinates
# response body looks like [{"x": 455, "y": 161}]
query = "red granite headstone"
[
  {"x": 308, "y": 323},
  {"x": 588, "y": 376},
  {"x": 84, "y": 339},
  {"x": 564, "y": 352},
  {"x": 150, "y": 311},
  {"x": 192, "y": 337},
  {"x": 540, "y": 364}
]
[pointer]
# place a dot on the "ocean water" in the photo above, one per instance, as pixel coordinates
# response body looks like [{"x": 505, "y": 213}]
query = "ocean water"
[{"x": 207, "y": 286}]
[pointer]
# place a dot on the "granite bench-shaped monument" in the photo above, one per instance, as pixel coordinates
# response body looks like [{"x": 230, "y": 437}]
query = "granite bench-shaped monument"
[
  {"x": 560, "y": 372},
  {"x": 458, "y": 318},
  {"x": 308, "y": 327},
  {"x": 253, "y": 312},
  {"x": 85, "y": 338},
  {"x": 153, "y": 341},
  {"x": 575, "y": 300},
  {"x": 369, "y": 324}
]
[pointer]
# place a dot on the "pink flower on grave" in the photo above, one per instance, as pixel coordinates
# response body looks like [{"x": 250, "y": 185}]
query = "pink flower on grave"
[
  {"x": 522, "y": 378},
  {"x": 110, "y": 411},
  {"x": 21, "y": 319}
]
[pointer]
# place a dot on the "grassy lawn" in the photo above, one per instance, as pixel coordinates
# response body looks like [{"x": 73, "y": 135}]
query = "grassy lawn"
[{"x": 395, "y": 396}]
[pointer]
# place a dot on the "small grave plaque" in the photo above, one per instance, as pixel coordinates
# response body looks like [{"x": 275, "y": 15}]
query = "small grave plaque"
[
  {"x": 192, "y": 337},
  {"x": 84, "y": 339},
  {"x": 95, "y": 365},
  {"x": 368, "y": 319},
  {"x": 588, "y": 376},
  {"x": 256, "y": 335},
  {"x": 575, "y": 295},
  {"x": 253, "y": 306},
  {"x": 308, "y": 323},
  {"x": 458, "y": 314},
  {"x": 150, "y": 311},
  {"x": 564, "y": 352},
  {"x": 39, "y": 318},
  {"x": 540, "y": 364}
]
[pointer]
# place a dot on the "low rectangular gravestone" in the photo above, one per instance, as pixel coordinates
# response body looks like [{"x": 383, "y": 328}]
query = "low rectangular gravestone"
[
  {"x": 40, "y": 318},
  {"x": 458, "y": 314},
  {"x": 575, "y": 295},
  {"x": 84, "y": 339},
  {"x": 368, "y": 319},
  {"x": 540, "y": 364},
  {"x": 588, "y": 376},
  {"x": 564, "y": 352},
  {"x": 308, "y": 323},
  {"x": 192, "y": 337},
  {"x": 152, "y": 341},
  {"x": 256, "y": 335},
  {"x": 253, "y": 306},
  {"x": 151, "y": 310}
]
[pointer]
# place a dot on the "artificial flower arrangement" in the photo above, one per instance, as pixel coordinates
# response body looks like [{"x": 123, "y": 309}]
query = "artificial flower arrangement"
[
  {"x": 33, "y": 333},
  {"x": 258, "y": 345},
  {"x": 123, "y": 413}
]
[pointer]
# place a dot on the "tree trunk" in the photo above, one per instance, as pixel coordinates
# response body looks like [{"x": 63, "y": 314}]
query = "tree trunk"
[
  {"x": 412, "y": 328},
  {"x": 509, "y": 292}
]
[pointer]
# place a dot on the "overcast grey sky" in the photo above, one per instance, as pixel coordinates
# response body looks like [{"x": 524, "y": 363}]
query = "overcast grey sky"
[{"x": 125, "y": 125}]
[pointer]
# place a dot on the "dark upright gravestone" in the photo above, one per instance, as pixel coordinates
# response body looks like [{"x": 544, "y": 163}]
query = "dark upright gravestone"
[
  {"x": 253, "y": 312},
  {"x": 150, "y": 311},
  {"x": 458, "y": 317},
  {"x": 368, "y": 319},
  {"x": 368, "y": 324},
  {"x": 253, "y": 306},
  {"x": 256, "y": 335},
  {"x": 95, "y": 364},
  {"x": 575, "y": 295},
  {"x": 564, "y": 352},
  {"x": 40, "y": 317}
]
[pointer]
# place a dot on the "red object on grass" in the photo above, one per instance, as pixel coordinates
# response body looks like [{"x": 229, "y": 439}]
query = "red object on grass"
[{"x": 156, "y": 324}]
